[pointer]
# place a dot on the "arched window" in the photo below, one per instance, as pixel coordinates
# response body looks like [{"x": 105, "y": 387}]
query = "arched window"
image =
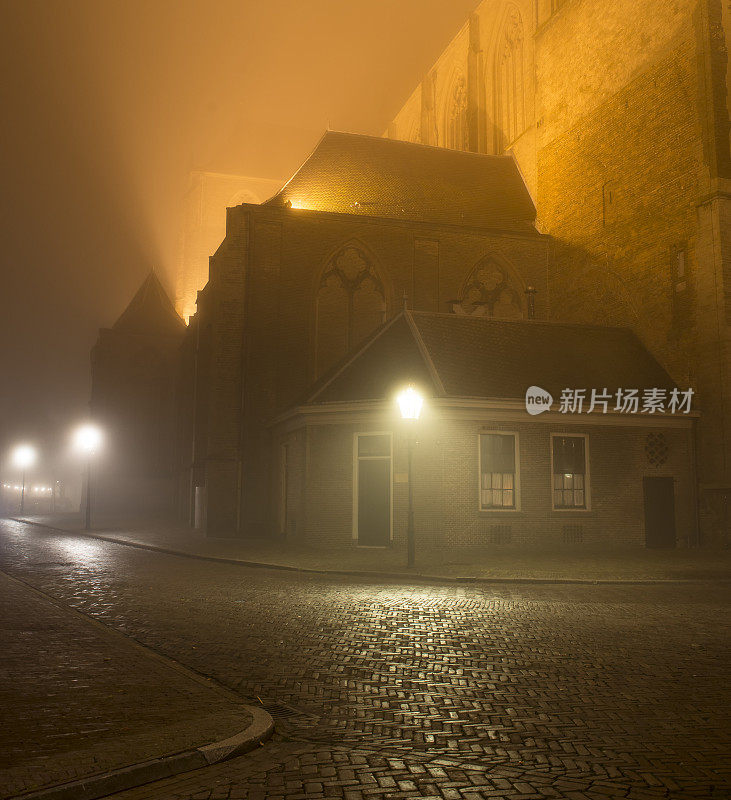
[
  {"x": 243, "y": 196},
  {"x": 456, "y": 119},
  {"x": 509, "y": 89},
  {"x": 490, "y": 291},
  {"x": 351, "y": 303}
]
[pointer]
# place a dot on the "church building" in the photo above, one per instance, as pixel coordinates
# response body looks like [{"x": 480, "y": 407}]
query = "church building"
[
  {"x": 560, "y": 184},
  {"x": 617, "y": 114}
]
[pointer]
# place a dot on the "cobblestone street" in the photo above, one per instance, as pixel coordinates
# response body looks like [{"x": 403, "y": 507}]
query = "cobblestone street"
[{"x": 385, "y": 690}]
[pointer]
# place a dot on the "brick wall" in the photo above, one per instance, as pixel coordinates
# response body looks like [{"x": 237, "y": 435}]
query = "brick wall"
[
  {"x": 268, "y": 328},
  {"x": 627, "y": 155},
  {"x": 223, "y": 317},
  {"x": 446, "y": 480}
]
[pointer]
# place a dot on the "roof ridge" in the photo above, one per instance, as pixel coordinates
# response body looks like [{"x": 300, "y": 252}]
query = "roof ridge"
[
  {"x": 394, "y": 141},
  {"x": 327, "y": 378},
  {"x": 298, "y": 170},
  {"x": 425, "y": 354}
]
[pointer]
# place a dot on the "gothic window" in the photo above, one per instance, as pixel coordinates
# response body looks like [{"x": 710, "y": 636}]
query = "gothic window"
[
  {"x": 351, "y": 303},
  {"x": 509, "y": 90},
  {"x": 456, "y": 122},
  {"x": 242, "y": 196},
  {"x": 490, "y": 292}
]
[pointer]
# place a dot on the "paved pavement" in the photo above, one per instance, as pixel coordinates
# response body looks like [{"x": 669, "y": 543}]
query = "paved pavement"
[
  {"x": 388, "y": 690},
  {"x": 77, "y": 700},
  {"x": 570, "y": 563}
]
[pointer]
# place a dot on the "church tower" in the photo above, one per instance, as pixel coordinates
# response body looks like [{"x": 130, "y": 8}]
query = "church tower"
[{"x": 618, "y": 116}]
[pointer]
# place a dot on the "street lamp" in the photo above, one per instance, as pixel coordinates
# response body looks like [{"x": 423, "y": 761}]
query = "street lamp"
[
  {"x": 87, "y": 441},
  {"x": 410, "y": 403},
  {"x": 24, "y": 456}
]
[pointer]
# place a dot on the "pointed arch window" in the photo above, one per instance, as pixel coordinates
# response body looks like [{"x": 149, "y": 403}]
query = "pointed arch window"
[
  {"x": 509, "y": 90},
  {"x": 490, "y": 291},
  {"x": 456, "y": 123},
  {"x": 351, "y": 303}
]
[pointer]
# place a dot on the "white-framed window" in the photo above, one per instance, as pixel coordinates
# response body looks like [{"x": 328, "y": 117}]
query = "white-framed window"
[
  {"x": 570, "y": 471},
  {"x": 499, "y": 471}
]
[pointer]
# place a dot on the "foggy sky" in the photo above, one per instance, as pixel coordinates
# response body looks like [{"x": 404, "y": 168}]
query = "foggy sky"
[{"x": 106, "y": 107}]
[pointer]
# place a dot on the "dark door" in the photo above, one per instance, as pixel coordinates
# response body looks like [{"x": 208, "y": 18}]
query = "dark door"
[
  {"x": 659, "y": 512},
  {"x": 374, "y": 491}
]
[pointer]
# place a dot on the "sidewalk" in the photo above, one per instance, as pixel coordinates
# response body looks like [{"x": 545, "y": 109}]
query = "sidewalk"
[
  {"x": 565, "y": 564},
  {"x": 78, "y": 700}
]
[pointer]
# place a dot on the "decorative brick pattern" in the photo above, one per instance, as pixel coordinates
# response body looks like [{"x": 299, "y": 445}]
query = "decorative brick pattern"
[{"x": 509, "y": 691}]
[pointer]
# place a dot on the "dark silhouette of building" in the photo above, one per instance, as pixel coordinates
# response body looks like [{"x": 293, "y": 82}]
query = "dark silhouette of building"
[{"x": 133, "y": 367}]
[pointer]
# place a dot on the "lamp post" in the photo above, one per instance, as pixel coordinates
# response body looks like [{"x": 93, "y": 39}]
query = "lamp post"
[
  {"x": 410, "y": 402},
  {"x": 24, "y": 456},
  {"x": 87, "y": 440}
]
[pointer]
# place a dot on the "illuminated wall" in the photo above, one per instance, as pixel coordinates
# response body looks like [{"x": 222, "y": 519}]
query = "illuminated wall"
[
  {"x": 623, "y": 139},
  {"x": 204, "y": 226}
]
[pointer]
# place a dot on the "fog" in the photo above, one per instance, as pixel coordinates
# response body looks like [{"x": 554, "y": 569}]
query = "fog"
[{"x": 109, "y": 105}]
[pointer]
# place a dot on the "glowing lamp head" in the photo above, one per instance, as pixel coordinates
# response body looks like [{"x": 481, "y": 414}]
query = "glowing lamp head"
[
  {"x": 409, "y": 403},
  {"x": 24, "y": 456},
  {"x": 88, "y": 439}
]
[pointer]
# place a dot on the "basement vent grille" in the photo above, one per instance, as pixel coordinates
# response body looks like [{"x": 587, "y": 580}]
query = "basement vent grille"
[{"x": 573, "y": 534}]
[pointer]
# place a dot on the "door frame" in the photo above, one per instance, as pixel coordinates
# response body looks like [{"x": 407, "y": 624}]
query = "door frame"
[
  {"x": 356, "y": 461},
  {"x": 673, "y": 482}
]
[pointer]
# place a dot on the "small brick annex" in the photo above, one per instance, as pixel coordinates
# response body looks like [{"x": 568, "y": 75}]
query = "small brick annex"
[{"x": 341, "y": 456}]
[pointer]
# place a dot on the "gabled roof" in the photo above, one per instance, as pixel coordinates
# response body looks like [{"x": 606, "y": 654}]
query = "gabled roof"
[
  {"x": 350, "y": 173},
  {"x": 477, "y": 357},
  {"x": 150, "y": 312}
]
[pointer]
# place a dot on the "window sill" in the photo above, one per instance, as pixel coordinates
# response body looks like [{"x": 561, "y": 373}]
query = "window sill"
[{"x": 501, "y": 512}]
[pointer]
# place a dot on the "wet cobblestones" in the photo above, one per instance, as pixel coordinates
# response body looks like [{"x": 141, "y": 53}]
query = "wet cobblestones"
[{"x": 515, "y": 692}]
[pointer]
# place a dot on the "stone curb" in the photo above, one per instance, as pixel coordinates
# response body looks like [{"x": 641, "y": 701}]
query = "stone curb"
[
  {"x": 118, "y": 780},
  {"x": 392, "y": 576}
]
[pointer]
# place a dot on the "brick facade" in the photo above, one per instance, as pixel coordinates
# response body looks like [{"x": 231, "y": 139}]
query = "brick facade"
[
  {"x": 625, "y": 146},
  {"x": 259, "y": 310},
  {"x": 321, "y": 465}
]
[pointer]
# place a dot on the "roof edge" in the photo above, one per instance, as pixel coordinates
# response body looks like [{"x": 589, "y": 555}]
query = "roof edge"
[
  {"x": 351, "y": 357},
  {"x": 425, "y": 354}
]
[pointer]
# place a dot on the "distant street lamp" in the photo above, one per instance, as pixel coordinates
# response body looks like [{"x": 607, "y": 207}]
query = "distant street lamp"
[
  {"x": 410, "y": 403},
  {"x": 24, "y": 456},
  {"x": 87, "y": 441}
]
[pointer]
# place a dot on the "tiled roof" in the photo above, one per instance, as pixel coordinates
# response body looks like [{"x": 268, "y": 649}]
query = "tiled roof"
[
  {"x": 372, "y": 176},
  {"x": 389, "y": 357},
  {"x": 477, "y": 357},
  {"x": 150, "y": 312}
]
